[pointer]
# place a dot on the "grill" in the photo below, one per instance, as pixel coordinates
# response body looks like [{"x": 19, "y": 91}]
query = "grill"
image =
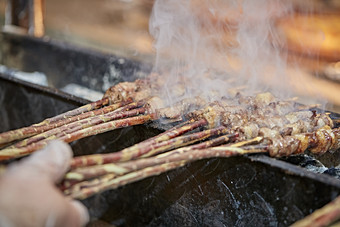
[{"x": 237, "y": 191}]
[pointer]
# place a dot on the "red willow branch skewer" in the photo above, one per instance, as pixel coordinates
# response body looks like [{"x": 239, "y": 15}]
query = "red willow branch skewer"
[
  {"x": 320, "y": 141},
  {"x": 133, "y": 151},
  {"x": 210, "y": 116},
  {"x": 83, "y": 191},
  {"x": 98, "y": 124},
  {"x": 171, "y": 133},
  {"x": 34, "y": 129},
  {"x": 88, "y": 107},
  {"x": 90, "y": 131},
  {"x": 121, "y": 93},
  {"x": 75, "y": 131},
  {"x": 31, "y": 143},
  {"x": 317, "y": 141},
  {"x": 37, "y": 129},
  {"x": 111, "y": 171},
  {"x": 123, "y": 180},
  {"x": 154, "y": 103},
  {"x": 180, "y": 142},
  {"x": 120, "y": 168},
  {"x": 324, "y": 216},
  {"x": 68, "y": 186},
  {"x": 78, "y": 177},
  {"x": 78, "y": 125},
  {"x": 177, "y": 130},
  {"x": 82, "y": 121}
]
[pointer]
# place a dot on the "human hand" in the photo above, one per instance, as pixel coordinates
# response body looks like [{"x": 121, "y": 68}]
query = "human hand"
[{"x": 29, "y": 197}]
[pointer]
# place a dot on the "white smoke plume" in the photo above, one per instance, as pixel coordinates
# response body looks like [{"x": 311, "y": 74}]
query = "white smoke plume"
[{"x": 219, "y": 45}]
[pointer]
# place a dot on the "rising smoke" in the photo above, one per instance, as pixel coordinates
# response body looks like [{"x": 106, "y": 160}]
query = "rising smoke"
[{"x": 219, "y": 46}]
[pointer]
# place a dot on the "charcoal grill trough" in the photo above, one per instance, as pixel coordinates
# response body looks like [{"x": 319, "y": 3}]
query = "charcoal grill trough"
[{"x": 238, "y": 191}]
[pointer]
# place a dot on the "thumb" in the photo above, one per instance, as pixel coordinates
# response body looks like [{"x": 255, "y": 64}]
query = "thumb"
[
  {"x": 52, "y": 162},
  {"x": 77, "y": 214}
]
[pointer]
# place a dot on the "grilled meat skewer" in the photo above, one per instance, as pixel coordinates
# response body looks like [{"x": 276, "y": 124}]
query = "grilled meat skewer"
[
  {"x": 120, "y": 94},
  {"x": 318, "y": 142},
  {"x": 242, "y": 112},
  {"x": 215, "y": 115}
]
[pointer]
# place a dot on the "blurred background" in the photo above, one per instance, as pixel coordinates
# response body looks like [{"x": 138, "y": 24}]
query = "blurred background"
[
  {"x": 120, "y": 28},
  {"x": 114, "y": 26}
]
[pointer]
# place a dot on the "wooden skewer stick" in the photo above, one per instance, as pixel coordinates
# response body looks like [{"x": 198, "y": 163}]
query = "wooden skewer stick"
[
  {"x": 6, "y": 154},
  {"x": 84, "y": 120},
  {"x": 181, "y": 141},
  {"x": 35, "y": 129},
  {"x": 66, "y": 185},
  {"x": 317, "y": 142},
  {"x": 256, "y": 140},
  {"x": 172, "y": 132},
  {"x": 85, "y": 173},
  {"x": 122, "y": 180},
  {"x": 126, "y": 154},
  {"x": 69, "y": 129},
  {"x": 174, "y": 160},
  {"x": 75, "y": 126},
  {"x": 321, "y": 217}
]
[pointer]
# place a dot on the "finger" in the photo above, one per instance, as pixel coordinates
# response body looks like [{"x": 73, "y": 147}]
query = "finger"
[
  {"x": 78, "y": 214},
  {"x": 51, "y": 162}
]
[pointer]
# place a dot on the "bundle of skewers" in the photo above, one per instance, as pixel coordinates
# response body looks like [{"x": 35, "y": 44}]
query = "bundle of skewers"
[
  {"x": 220, "y": 129},
  {"x": 238, "y": 125}
]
